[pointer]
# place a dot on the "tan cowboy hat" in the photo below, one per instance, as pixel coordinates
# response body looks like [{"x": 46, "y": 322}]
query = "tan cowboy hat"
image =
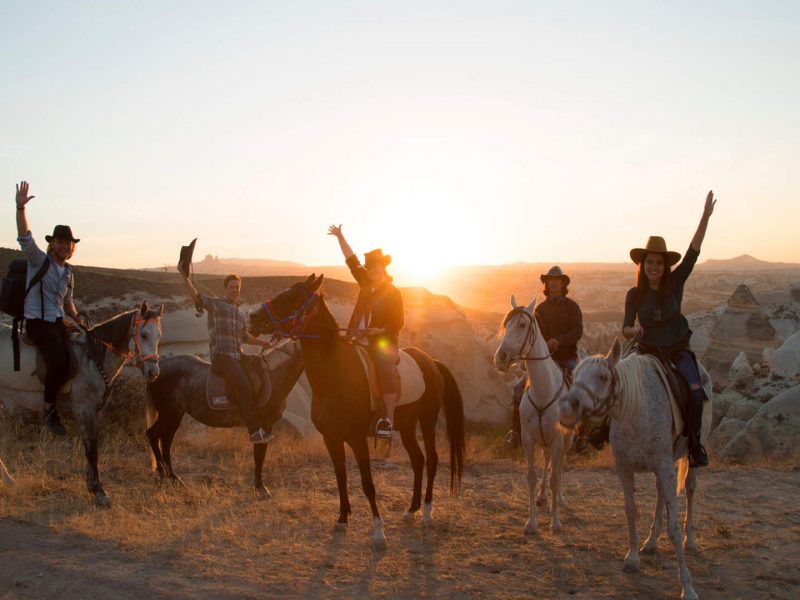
[
  {"x": 377, "y": 256},
  {"x": 555, "y": 272},
  {"x": 655, "y": 244}
]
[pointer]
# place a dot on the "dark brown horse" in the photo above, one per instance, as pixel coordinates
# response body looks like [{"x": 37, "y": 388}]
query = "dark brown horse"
[{"x": 340, "y": 400}]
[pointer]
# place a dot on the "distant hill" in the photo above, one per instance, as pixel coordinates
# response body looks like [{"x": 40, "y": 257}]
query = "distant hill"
[{"x": 745, "y": 262}]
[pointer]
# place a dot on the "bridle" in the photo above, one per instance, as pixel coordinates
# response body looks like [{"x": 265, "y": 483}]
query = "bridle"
[
  {"x": 296, "y": 320},
  {"x": 601, "y": 406},
  {"x": 530, "y": 336}
]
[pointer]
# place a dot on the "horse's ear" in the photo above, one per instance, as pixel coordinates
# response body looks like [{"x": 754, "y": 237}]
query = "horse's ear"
[
  {"x": 161, "y": 309},
  {"x": 532, "y": 305},
  {"x": 310, "y": 278},
  {"x": 514, "y": 301},
  {"x": 144, "y": 308},
  {"x": 317, "y": 282},
  {"x": 613, "y": 355}
]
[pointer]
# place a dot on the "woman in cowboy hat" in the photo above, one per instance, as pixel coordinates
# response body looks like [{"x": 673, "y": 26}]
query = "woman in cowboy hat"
[
  {"x": 378, "y": 316},
  {"x": 48, "y": 302},
  {"x": 662, "y": 328},
  {"x": 561, "y": 322}
]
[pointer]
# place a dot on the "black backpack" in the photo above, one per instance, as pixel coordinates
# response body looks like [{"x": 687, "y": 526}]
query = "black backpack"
[{"x": 12, "y": 297}]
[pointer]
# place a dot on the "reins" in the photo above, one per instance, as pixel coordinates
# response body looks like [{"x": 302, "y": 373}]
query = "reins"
[
  {"x": 296, "y": 319},
  {"x": 530, "y": 336}
]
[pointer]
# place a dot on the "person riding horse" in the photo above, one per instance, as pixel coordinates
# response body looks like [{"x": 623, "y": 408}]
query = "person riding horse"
[
  {"x": 46, "y": 306},
  {"x": 561, "y": 322},
  {"x": 378, "y": 315},
  {"x": 227, "y": 328},
  {"x": 662, "y": 329}
]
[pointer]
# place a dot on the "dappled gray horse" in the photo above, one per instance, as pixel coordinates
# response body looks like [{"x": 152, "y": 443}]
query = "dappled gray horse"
[
  {"x": 643, "y": 438},
  {"x": 100, "y": 353}
]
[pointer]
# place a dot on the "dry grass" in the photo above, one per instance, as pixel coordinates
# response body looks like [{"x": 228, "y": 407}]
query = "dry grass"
[{"x": 213, "y": 538}]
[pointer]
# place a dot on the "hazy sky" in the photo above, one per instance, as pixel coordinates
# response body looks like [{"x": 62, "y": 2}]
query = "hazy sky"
[{"x": 458, "y": 132}]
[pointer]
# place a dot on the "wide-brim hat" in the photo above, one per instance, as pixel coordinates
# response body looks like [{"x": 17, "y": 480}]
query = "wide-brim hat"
[
  {"x": 555, "y": 272},
  {"x": 377, "y": 257},
  {"x": 63, "y": 232},
  {"x": 657, "y": 244}
]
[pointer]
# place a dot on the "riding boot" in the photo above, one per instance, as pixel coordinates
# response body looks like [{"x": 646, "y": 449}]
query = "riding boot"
[
  {"x": 51, "y": 420},
  {"x": 697, "y": 454}
]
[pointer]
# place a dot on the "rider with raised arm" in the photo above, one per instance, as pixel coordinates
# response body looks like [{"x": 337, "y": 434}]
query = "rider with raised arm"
[
  {"x": 561, "y": 323},
  {"x": 662, "y": 328},
  {"x": 48, "y": 302},
  {"x": 378, "y": 315},
  {"x": 227, "y": 329}
]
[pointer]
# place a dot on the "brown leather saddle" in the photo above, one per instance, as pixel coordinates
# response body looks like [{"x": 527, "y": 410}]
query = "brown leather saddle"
[{"x": 217, "y": 394}]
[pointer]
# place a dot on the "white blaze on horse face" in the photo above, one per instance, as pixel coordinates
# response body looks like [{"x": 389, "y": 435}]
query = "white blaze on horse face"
[
  {"x": 514, "y": 335},
  {"x": 147, "y": 337}
]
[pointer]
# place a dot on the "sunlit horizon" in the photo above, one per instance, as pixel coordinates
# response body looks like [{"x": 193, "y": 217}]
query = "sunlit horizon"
[{"x": 445, "y": 134}]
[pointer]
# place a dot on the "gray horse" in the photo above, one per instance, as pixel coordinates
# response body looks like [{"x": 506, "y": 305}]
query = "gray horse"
[
  {"x": 100, "y": 353},
  {"x": 181, "y": 389},
  {"x": 643, "y": 438}
]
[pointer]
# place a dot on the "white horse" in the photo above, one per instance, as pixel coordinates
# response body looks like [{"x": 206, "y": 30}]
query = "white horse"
[
  {"x": 538, "y": 411},
  {"x": 100, "y": 353},
  {"x": 643, "y": 438}
]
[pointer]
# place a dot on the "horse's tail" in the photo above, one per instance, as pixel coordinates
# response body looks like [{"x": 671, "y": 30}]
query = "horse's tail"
[
  {"x": 683, "y": 471},
  {"x": 454, "y": 416}
]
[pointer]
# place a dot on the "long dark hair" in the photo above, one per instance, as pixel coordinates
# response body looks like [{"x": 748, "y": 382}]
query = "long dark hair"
[
  {"x": 546, "y": 289},
  {"x": 642, "y": 284}
]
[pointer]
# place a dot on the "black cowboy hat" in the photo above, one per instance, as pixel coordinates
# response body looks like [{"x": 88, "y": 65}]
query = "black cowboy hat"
[
  {"x": 555, "y": 272},
  {"x": 377, "y": 256},
  {"x": 61, "y": 232},
  {"x": 185, "y": 260}
]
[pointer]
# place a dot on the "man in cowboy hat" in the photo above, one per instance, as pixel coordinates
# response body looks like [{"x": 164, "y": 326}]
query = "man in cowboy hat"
[
  {"x": 561, "y": 323},
  {"x": 48, "y": 302}
]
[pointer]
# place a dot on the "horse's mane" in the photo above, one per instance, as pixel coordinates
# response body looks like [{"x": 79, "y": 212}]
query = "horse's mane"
[
  {"x": 508, "y": 316},
  {"x": 114, "y": 332},
  {"x": 630, "y": 372}
]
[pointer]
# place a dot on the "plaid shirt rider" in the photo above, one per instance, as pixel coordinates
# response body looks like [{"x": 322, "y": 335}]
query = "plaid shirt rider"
[{"x": 227, "y": 324}]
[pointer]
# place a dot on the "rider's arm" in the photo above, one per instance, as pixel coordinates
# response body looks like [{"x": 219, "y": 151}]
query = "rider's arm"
[
  {"x": 629, "y": 327},
  {"x": 192, "y": 292},
  {"x": 396, "y": 315},
  {"x": 69, "y": 304},
  {"x": 249, "y": 338},
  {"x": 700, "y": 234},
  {"x": 356, "y": 269},
  {"x": 33, "y": 254}
]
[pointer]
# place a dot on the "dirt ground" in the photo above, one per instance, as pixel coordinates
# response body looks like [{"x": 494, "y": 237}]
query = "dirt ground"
[{"x": 213, "y": 539}]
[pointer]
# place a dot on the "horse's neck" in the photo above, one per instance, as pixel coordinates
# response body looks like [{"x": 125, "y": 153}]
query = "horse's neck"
[
  {"x": 544, "y": 376},
  {"x": 285, "y": 377},
  {"x": 320, "y": 360}
]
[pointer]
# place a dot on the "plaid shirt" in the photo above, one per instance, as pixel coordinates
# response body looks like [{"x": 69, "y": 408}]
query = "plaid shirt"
[{"x": 227, "y": 324}]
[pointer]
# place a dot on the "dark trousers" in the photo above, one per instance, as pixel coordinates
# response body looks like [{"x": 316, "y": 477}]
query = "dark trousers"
[
  {"x": 238, "y": 385},
  {"x": 53, "y": 342},
  {"x": 386, "y": 355}
]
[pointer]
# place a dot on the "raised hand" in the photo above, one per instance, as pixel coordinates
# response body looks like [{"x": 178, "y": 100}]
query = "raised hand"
[
  {"x": 22, "y": 194},
  {"x": 710, "y": 202},
  {"x": 337, "y": 231}
]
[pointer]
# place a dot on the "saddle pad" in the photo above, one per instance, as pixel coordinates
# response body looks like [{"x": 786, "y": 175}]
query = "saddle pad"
[
  {"x": 677, "y": 416},
  {"x": 217, "y": 395},
  {"x": 30, "y": 377},
  {"x": 410, "y": 385}
]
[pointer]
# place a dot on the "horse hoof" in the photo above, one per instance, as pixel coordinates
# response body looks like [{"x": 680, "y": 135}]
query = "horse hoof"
[
  {"x": 102, "y": 501},
  {"x": 427, "y": 519},
  {"x": 530, "y": 529},
  {"x": 408, "y": 516},
  {"x": 631, "y": 566},
  {"x": 689, "y": 594},
  {"x": 340, "y": 526},
  {"x": 263, "y": 493},
  {"x": 556, "y": 528},
  {"x": 379, "y": 542},
  {"x": 648, "y": 549}
]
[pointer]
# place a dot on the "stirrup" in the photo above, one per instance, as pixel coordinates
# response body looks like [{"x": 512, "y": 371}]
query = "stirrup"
[
  {"x": 383, "y": 428},
  {"x": 697, "y": 456},
  {"x": 261, "y": 437}
]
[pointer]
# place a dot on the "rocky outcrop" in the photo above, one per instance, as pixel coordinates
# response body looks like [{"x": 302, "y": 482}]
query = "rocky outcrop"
[
  {"x": 741, "y": 375},
  {"x": 772, "y": 433},
  {"x": 785, "y": 362},
  {"x": 742, "y": 327}
]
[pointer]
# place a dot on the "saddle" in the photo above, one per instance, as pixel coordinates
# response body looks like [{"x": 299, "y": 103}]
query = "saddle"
[
  {"x": 40, "y": 369},
  {"x": 371, "y": 371},
  {"x": 217, "y": 394},
  {"x": 678, "y": 389}
]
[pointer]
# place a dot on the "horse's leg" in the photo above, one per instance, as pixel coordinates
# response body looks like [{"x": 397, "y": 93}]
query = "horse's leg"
[
  {"x": 541, "y": 499},
  {"x": 259, "y": 453},
  {"x": 530, "y": 453},
  {"x": 668, "y": 484},
  {"x": 87, "y": 426},
  {"x": 557, "y": 456},
  {"x": 689, "y": 541},
  {"x": 361, "y": 451},
  {"x": 567, "y": 440},
  {"x": 431, "y": 462},
  {"x": 336, "y": 452},
  {"x": 626, "y": 477},
  {"x": 167, "y": 435},
  {"x": 409, "y": 438},
  {"x": 651, "y": 543},
  {"x": 153, "y": 436}
]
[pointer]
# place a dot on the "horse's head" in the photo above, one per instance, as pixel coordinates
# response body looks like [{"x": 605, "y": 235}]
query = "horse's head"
[
  {"x": 593, "y": 391},
  {"x": 519, "y": 332},
  {"x": 281, "y": 314},
  {"x": 146, "y": 335}
]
